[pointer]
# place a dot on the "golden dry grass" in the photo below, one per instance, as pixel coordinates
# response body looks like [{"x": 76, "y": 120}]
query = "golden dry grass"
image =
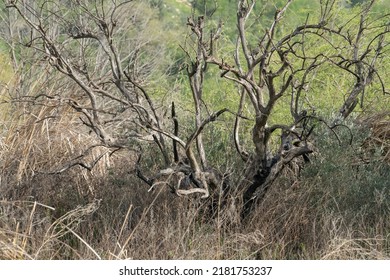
[
  {"x": 109, "y": 214},
  {"x": 379, "y": 138}
]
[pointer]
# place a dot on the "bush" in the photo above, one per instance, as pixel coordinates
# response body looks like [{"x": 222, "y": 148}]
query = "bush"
[{"x": 337, "y": 208}]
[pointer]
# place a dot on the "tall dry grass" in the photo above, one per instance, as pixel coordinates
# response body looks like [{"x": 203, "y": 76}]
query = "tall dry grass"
[
  {"x": 337, "y": 209},
  {"x": 158, "y": 226}
]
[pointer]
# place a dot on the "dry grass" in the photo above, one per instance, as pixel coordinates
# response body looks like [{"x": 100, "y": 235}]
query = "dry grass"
[
  {"x": 379, "y": 138},
  {"x": 108, "y": 213},
  {"x": 167, "y": 228},
  {"x": 285, "y": 226},
  {"x": 28, "y": 232}
]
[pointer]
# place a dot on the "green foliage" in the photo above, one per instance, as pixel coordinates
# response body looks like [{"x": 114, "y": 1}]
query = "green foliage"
[
  {"x": 345, "y": 184},
  {"x": 206, "y": 7},
  {"x": 6, "y": 71}
]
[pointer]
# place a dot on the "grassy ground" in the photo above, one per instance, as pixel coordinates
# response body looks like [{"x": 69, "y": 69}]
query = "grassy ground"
[{"x": 337, "y": 209}]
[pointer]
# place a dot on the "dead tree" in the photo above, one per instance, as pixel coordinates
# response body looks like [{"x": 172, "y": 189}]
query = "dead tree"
[
  {"x": 282, "y": 66},
  {"x": 111, "y": 85}
]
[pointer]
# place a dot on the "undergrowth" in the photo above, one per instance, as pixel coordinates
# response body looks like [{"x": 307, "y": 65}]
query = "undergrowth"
[{"x": 337, "y": 208}]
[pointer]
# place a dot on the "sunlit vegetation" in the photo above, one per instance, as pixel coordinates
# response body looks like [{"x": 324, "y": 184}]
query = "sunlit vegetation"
[{"x": 150, "y": 129}]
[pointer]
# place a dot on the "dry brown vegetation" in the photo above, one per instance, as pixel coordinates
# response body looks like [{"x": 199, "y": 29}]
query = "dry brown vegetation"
[
  {"x": 69, "y": 192},
  {"x": 109, "y": 214}
]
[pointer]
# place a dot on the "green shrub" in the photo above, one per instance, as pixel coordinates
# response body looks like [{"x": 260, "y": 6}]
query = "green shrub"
[{"x": 348, "y": 181}]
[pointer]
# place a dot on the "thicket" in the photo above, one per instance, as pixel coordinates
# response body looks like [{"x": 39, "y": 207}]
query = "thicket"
[{"x": 66, "y": 196}]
